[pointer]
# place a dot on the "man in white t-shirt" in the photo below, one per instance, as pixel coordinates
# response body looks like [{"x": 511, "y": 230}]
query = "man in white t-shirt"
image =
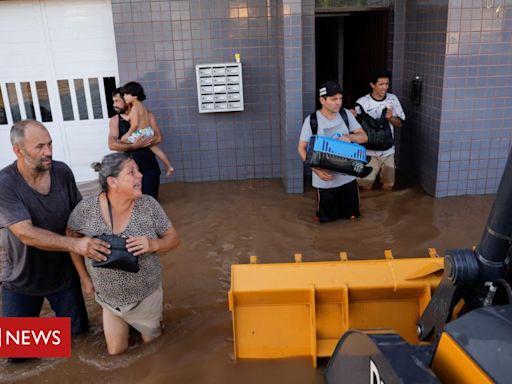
[
  {"x": 382, "y": 162},
  {"x": 338, "y": 194}
]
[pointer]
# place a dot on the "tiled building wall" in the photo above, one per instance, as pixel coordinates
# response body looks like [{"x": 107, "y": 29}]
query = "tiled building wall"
[
  {"x": 395, "y": 59},
  {"x": 454, "y": 143},
  {"x": 424, "y": 55},
  {"x": 396, "y": 44},
  {"x": 291, "y": 91},
  {"x": 159, "y": 43},
  {"x": 308, "y": 68},
  {"x": 308, "y": 57},
  {"x": 476, "y": 128},
  {"x": 281, "y": 68},
  {"x": 457, "y": 141}
]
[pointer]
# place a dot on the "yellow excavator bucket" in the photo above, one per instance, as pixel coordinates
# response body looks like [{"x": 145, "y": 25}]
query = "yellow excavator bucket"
[{"x": 303, "y": 308}]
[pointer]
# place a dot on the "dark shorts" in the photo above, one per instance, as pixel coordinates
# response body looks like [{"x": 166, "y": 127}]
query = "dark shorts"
[
  {"x": 151, "y": 182},
  {"x": 68, "y": 302},
  {"x": 338, "y": 203}
]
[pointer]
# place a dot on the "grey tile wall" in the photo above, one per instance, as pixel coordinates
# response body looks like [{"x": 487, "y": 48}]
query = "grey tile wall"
[
  {"x": 476, "y": 129},
  {"x": 421, "y": 31},
  {"x": 396, "y": 48},
  {"x": 396, "y": 44},
  {"x": 308, "y": 64},
  {"x": 158, "y": 44},
  {"x": 290, "y": 31},
  {"x": 308, "y": 56},
  {"x": 457, "y": 141}
]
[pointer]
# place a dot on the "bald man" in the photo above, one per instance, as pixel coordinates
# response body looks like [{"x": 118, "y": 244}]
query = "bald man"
[{"x": 37, "y": 194}]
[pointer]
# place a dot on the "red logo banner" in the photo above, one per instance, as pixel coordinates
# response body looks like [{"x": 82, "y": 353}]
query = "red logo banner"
[{"x": 35, "y": 337}]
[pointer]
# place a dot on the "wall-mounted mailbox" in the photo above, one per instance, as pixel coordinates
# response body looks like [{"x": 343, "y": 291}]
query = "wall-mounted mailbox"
[{"x": 219, "y": 87}]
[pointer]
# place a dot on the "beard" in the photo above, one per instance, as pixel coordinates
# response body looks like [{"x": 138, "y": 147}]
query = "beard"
[{"x": 42, "y": 165}]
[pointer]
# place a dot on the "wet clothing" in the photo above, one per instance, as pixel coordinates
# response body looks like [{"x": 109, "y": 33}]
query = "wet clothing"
[
  {"x": 383, "y": 165},
  {"x": 145, "y": 316},
  {"x": 151, "y": 182},
  {"x": 339, "y": 197},
  {"x": 26, "y": 269},
  {"x": 146, "y": 161},
  {"x": 67, "y": 302},
  {"x": 29, "y": 275},
  {"x": 338, "y": 203},
  {"x": 116, "y": 287},
  {"x": 383, "y": 162}
]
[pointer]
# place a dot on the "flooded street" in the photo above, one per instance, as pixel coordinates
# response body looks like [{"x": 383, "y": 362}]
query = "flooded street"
[{"x": 222, "y": 223}]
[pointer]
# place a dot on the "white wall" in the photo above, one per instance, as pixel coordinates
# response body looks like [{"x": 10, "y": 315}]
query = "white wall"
[{"x": 47, "y": 41}]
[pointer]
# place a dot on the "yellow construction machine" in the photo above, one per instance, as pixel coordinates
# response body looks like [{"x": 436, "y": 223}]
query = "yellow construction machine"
[{"x": 418, "y": 320}]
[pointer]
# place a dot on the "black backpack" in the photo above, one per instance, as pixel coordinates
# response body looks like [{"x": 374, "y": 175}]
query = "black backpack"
[
  {"x": 313, "y": 122},
  {"x": 378, "y": 131}
]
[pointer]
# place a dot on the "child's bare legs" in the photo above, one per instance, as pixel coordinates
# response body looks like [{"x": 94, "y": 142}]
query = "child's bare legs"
[{"x": 163, "y": 158}]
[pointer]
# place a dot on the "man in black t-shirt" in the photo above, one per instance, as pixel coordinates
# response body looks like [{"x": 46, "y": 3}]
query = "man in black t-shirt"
[
  {"x": 37, "y": 196},
  {"x": 138, "y": 151}
]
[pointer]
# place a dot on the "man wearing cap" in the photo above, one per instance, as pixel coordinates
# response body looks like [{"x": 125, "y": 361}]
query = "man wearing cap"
[
  {"x": 382, "y": 162},
  {"x": 337, "y": 193}
]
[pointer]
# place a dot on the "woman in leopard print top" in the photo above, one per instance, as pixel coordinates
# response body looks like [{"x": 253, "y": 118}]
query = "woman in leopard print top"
[{"x": 127, "y": 298}]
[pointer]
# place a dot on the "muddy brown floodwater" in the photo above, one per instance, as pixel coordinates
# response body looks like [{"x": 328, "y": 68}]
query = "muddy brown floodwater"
[{"x": 222, "y": 223}]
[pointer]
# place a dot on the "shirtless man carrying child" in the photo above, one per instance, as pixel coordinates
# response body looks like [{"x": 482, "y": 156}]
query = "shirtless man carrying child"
[{"x": 133, "y": 94}]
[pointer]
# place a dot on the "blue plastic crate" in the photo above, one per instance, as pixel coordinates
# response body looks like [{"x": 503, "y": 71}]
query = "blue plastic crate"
[{"x": 339, "y": 148}]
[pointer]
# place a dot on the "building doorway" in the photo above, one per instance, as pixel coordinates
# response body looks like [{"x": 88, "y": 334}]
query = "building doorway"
[
  {"x": 349, "y": 46},
  {"x": 58, "y": 65}
]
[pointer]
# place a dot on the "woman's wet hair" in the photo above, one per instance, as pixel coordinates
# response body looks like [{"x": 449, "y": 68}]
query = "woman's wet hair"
[
  {"x": 111, "y": 165},
  {"x": 135, "y": 89}
]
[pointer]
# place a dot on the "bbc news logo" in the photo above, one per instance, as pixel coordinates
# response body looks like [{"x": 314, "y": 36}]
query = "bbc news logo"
[{"x": 35, "y": 337}]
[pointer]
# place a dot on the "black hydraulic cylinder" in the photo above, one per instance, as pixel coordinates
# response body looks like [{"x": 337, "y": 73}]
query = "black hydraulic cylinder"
[{"x": 493, "y": 252}]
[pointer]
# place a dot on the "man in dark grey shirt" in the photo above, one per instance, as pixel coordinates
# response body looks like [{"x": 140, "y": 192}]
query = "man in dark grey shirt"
[{"x": 37, "y": 195}]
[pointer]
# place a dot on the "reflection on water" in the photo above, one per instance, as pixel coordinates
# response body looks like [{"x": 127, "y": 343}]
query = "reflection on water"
[{"x": 222, "y": 223}]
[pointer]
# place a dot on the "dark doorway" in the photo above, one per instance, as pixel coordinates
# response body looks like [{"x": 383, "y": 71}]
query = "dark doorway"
[
  {"x": 349, "y": 46},
  {"x": 110, "y": 86}
]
